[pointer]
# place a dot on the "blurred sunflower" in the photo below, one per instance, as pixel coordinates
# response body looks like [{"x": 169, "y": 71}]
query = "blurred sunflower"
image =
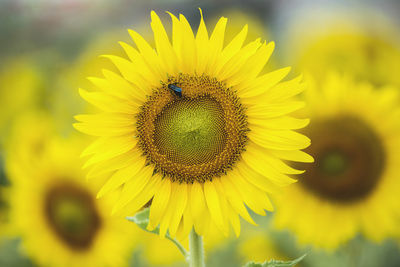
[
  {"x": 20, "y": 87},
  {"x": 194, "y": 128},
  {"x": 353, "y": 185},
  {"x": 64, "y": 102},
  {"x": 57, "y": 215},
  {"x": 366, "y": 57},
  {"x": 258, "y": 246},
  {"x": 159, "y": 251},
  {"x": 347, "y": 44},
  {"x": 21, "y": 143}
]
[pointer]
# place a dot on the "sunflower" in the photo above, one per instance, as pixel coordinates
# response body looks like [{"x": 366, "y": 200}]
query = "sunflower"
[
  {"x": 368, "y": 51},
  {"x": 64, "y": 102},
  {"x": 367, "y": 57},
  {"x": 57, "y": 215},
  {"x": 21, "y": 144},
  {"x": 353, "y": 186},
  {"x": 194, "y": 129},
  {"x": 20, "y": 87}
]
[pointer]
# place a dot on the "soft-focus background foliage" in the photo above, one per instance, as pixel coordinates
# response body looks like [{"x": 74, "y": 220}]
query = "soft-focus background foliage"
[{"x": 49, "y": 47}]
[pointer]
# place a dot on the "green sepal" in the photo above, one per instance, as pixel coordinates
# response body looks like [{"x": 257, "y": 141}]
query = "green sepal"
[
  {"x": 276, "y": 263},
  {"x": 142, "y": 220}
]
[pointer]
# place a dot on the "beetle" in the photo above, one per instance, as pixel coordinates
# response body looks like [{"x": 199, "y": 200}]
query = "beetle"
[{"x": 176, "y": 89}]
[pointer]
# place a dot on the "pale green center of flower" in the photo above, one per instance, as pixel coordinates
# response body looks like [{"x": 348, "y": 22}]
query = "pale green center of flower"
[
  {"x": 71, "y": 213},
  {"x": 71, "y": 216},
  {"x": 191, "y": 131},
  {"x": 334, "y": 163}
]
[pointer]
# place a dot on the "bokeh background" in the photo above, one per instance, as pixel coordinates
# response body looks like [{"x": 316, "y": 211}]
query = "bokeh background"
[{"x": 49, "y": 47}]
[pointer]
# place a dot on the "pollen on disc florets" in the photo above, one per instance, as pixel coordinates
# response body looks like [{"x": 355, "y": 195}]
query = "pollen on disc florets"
[{"x": 193, "y": 136}]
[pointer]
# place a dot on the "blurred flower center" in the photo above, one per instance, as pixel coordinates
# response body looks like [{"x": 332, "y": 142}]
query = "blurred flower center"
[
  {"x": 72, "y": 214},
  {"x": 349, "y": 159},
  {"x": 194, "y": 136},
  {"x": 334, "y": 163}
]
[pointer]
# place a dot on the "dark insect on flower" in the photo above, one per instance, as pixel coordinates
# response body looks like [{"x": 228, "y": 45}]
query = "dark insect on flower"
[{"x": 176, "y": 89}]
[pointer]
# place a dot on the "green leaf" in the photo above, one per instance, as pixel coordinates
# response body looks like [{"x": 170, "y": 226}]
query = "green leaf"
[
  {"x": 141, "y": 219},
  {"x": 276, "y": 263}
]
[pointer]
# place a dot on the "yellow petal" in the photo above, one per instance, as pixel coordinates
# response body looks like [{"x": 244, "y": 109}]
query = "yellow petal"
[
  {"x": 223, "y": 203},
  {"x": 276, "y": 163},
  {"x": 232, "y": 48},
  {"x": 108, "y": 103},
  {"x": 257, "y": 179},
  {"x": 235, "y": 200},
  {"x": 178, "y": 204},
  {"x": 262, "y": 83},
  {"x": 122, "y": 176},
  {"x": 215, "y": 45},
  {"x": 214, "y": 205},
  {"x": 110, "y": 165},
  {"x": 97, "y": 129},
  {"x": 235, "y": 221},
  {"x": 142, "y": 198},
  {"x": 256, "y": 161},
  {"x": 163, "y": 45},
  {"x": 113, "y": 147},
  {"x": 246, "y": 192},
  {"x": 293, "y": 155},
  {"x": 279, "y": 123},
  {"x": 159, "y": 204},
  {"x": 201, "y": 46},
  {"x": 125, "y": 89},
  {"x": 234, "y": 65},
  {"x": 177, "y": 40},
  {"x": 279, "y": 139},
  {"x": 139, "y": 62},
  {"x": 133, "y": 187},
  {"x": 197, "y": 200},
  {"x": 94, "y": 146},
  {"x": 188, "y": 48},
  {"x": 148, "y": 53},
  {"x": 282, "y": 91},
  {"x": 254, "y": 65},
  {"x": 255, "y": 198},
  {"x": 272, "y": 110},
  {"x": 186, "y": 223},
  {"x": 130, "y": 72}
]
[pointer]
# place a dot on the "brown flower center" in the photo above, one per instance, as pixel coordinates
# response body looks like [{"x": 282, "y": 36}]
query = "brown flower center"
[
  {"x": 72, "y": 214},
  {"x": 195, "y": 135},
  {"x": 349, "y": 159}
]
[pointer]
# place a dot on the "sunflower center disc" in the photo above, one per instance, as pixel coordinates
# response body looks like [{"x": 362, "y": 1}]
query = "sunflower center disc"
[
  {"x": 191, "y": 131},
  {"x": 72, "y": 214},
  {"x": 349, "y": 159},
  {"x": 194, "y": 136}
]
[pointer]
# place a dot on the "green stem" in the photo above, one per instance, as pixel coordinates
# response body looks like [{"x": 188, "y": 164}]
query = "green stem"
[{"x": 196, "y": 250}]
